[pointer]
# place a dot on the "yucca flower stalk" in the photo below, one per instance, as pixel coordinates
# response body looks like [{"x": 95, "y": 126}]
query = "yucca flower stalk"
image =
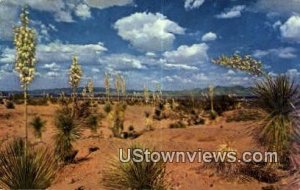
[
  {"x": 245, "y": 63},
  {"x": 107, "y": 85},
  {"x": 25, "y": 44},
  {"x": 123, "y": 86},
  {"x": 146, "y": 94},
  {"x": 75, "y": 74},
  {"x": 118, "y": 85},
  {"x": 211, "y": 96}
]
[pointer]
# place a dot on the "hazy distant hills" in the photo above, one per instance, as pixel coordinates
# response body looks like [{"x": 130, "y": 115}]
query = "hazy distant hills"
[{"x": 219, "y": 90}]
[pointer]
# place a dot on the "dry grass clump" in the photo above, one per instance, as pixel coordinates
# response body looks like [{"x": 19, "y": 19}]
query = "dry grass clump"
[{"x": 136, "y": 175}]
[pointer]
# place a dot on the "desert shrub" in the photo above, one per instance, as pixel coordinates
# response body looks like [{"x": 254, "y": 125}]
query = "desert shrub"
[
  {"x": 107, "y": 108},
  {"x": 67, "y": 132},
  {"x": 178, "y": 124},
  {"x": 245, "y": 115},
  {"x": 222, "y": 103},
  {"x": 279, "y": 98},
  {"x": 83, "y": 109},
  {"x": 131, "y": 128},
  {"x": 226, "y": 168},
  {"x": 93, "y": 122},
  {"x": 213, "y": 114},
  {"x": 37, "y": 101},
  {"x": 158, "y": 112},
  {"x": 34, "y": 169},
  {"x": 38, "y": 125},
  {"x": 136, "y": 175},
  {"x": 9, "y": 104},
  {"x": 260, "y": 172}
]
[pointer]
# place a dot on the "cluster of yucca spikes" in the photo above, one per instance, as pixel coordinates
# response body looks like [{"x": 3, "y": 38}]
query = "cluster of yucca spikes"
[
  {"x": 278, "y": 97},
  {"x": 25, "y": 43}
]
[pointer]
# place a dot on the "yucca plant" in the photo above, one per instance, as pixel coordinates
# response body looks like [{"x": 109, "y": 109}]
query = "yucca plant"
[
  {"x": 136, "y": 175},
  {"x": 75, "y": 74},
  {"x": 279, "y": 98},
  {"x": 68, "y": 131},
  {"x": 38, "y": 125},
  {"x": 25, "y": 43},
  {"x": 34, "y": 169}
]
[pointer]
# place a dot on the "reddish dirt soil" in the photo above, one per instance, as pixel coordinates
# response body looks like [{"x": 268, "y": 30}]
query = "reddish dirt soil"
[{"x": 88, "y": 173}]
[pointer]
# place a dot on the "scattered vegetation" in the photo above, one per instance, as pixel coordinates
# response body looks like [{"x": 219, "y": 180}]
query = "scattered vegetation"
[
  {"x": 9, "y": 104},
  {"x": 178, "y": 124},
  {"x": 245, "y": 115}
]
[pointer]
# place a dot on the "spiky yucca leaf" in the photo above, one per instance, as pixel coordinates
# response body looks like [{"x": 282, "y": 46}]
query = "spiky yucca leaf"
[
  {"x": 34, "y": 169},
  {"x": 68, "y": 131},
  {"x": 136, "y": 175}
]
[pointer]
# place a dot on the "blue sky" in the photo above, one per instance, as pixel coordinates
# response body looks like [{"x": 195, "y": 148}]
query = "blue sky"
[{"x": 171, "y": 42}]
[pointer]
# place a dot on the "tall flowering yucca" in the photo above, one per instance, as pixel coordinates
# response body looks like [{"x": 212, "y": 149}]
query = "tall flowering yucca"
[
  {"x": 75, "y": 74},
  {"x": 118, "y": 85},
  {"x": 25, "y": 43},
  {"x": 246, "y": 63},
  {"x": 107, "y": 85}
]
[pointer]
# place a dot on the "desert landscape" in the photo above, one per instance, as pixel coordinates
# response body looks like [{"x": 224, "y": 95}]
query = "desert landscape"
[{"x": 130, "y": 111}]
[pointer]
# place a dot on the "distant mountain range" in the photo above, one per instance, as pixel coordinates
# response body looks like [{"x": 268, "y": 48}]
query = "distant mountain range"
[{"x": 219, "y": 90}]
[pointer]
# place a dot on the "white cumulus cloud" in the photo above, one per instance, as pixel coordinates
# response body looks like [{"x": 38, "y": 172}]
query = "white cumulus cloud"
[
  {"x": 290, "y": 30},
  {"x": 234, "y": 12},
  {"x": 83, "y": 11},
  {"x": 210, "y": 36},
  {"x": 192, "y": 4},
  {"x": 148, "y": 31},
  {"x": 284, "y": 53},
  {"x": 191, "y": 55}
]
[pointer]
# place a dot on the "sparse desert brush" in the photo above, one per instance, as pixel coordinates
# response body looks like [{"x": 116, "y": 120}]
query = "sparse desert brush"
[
  {"x": 9, "y": 104},
  {"x": 178, "y": 124},
  {"x": 93, "y": 122},
  {"x": 279, "y": 98},
  {"x": 213, "y": 114},
  {"x": 227, "y": 167},
  {"x": 158, "y": 111},
  {"x": 26, "y": 169},
  {"x": 107, "y": 107},
  {"x": 245, "y": 115},
  {"x": 67, "y": 132},
  {"x": 148, "y": 121},
  {"x": 38, "y": 124},
  {"x": 136, "y": 175}
]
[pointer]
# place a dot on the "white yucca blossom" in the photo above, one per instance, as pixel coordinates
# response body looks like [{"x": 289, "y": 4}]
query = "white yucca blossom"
[
  {"x": 25, "y": 43},
  {"x": 75, "y": 74}
]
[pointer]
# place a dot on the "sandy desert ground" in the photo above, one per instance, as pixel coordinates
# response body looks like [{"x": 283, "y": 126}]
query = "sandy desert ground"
[{"x": 87, "y": 173}]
